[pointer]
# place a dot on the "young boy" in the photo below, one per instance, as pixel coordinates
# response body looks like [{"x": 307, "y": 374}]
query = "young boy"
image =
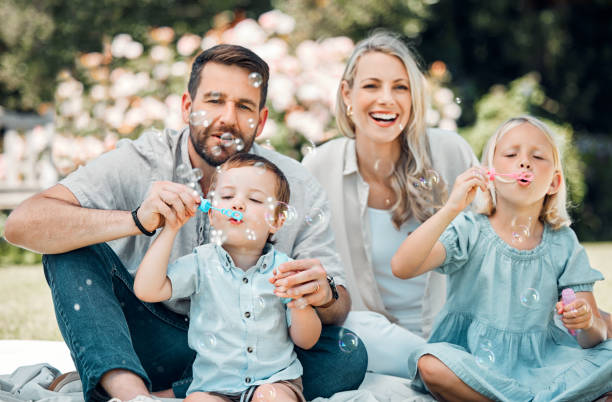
[{"x": 242, "y": 332}]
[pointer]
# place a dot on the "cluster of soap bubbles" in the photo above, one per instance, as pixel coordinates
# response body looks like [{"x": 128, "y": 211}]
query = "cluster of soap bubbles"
[
  {"x": 484, "y": 355},
  {"x": 277, "y": 209},
  {"x": 520, "y": 228}
]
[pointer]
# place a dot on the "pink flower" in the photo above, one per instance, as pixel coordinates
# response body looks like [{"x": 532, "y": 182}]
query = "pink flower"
[{"x": 188, "y": 44}]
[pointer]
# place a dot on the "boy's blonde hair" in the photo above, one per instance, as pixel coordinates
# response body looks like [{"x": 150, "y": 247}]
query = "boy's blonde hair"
[
  {"x": 414, "y": 158},
  {"x": 554, "y": 211}
]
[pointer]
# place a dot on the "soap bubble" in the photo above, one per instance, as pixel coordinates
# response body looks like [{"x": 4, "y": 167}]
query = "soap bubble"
[
  {"x": 276, "y": 209},
  {"x": 428, "y": 180},
  {"x": 77, "y": 306},
  {"x": 227, "y": 139},
  {"x": 255, "y": 79},
  {"x": 252, "y": 123},
  {"x": 208, "y": 341},
  {"x": 259, "y": 305},
  {"x": 88, "y": 282},
  {"x": 199, "y": 118},
  {"x": 196, "y": 174},
  {"x": 520, "y": 228},
  {"x": 261, "y": 168},
  {"x": 265, "y": 392},
  {"x": 300, "y": 303},
  {"x": 182, "y": 171},
  {"x": 315, "y": 216},
  {"x": 347, "y": 341},
  {"x": 484, "y": 355},
  {"x": 216, "y": 150},
  {"x": 383, "y": 167},
  {"x": 530, "y": 298}
]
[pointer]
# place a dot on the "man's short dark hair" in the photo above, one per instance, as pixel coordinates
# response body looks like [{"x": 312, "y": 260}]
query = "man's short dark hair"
[{"x": 230, "y": 55}]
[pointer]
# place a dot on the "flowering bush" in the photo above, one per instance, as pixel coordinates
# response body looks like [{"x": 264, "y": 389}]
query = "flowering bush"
[{"x": 131, "y": 86}]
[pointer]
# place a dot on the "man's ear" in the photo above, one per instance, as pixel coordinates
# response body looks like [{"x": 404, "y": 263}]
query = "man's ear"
[
  {"x": 263, "y": 117},
  {"x": 186, "y": 107},
  {"x": 555, "y": 183}
]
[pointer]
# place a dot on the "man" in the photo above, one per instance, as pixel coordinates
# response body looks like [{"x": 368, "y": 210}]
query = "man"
[{"x": 123, "y": 347}]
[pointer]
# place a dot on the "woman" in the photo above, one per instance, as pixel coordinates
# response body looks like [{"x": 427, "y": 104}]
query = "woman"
[{"x": 383, "y": 179}]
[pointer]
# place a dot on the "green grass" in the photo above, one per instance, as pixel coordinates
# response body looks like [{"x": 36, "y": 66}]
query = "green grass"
[{"x": 26, "y": 311}]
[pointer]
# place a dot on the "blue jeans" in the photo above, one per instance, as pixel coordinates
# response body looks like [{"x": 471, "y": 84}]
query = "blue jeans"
[{"x": 107, "y": 327}]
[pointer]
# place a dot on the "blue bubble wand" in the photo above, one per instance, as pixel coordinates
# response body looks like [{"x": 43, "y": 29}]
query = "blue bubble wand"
[{"x": 205, "y": 206}]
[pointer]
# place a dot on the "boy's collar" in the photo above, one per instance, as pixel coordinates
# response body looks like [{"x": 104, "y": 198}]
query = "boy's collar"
[{"x": 263, "y": 263}]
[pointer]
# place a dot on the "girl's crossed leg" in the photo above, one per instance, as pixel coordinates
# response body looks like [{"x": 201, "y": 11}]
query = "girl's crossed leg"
[{"x": 443, "y": 384}]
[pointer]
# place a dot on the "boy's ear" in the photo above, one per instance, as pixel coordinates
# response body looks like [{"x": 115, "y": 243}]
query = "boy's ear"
[
  {"x": 280, "y": 221},
  {"x": 555, "y": 184}
]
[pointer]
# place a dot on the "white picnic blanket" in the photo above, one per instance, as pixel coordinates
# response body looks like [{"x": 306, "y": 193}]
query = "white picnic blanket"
[{"x": 28, "y": 367}]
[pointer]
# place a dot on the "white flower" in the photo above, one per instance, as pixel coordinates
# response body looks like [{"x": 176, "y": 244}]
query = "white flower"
[
  {"x": 161, "y": 72},
  {"x": 133, "y": 50},
  {"x": 188, "y": 44},
  {"x": 269, "y": 130},
  {"x": 280, "y": 91},
  {"x": 179, "y": 69},
  {"x": 451, "y": 111},
  {"x": 246, "y": 33},
  {"x": 154, "y": 108},
  {"x": 432, "y": 117},
  {"x": 82, "y": 121},
  {"x": 443, "y": 96},
  {"x": 209, "y": 41},
  {"x": 68, "y": 89},
  {"x": 276, "y": 21},
  {"x": 98, "y": 92},
  {"x": 448, "y": 124},
  {"x": 120, "y": 44},
  {"x": 160, "y": 53},
  {"x": 306, "y": 124}
]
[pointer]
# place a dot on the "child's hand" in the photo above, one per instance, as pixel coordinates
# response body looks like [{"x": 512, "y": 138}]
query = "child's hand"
[
  {"x": 465, "y": 188},
  {"x": 576, "y": 315}
]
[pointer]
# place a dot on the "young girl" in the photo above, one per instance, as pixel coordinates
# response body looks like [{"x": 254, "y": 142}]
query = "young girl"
[{"x": 507, "y": 265}]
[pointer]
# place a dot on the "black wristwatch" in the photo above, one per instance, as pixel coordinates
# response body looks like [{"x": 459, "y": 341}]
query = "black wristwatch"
[{"x": 332, "y": 286}]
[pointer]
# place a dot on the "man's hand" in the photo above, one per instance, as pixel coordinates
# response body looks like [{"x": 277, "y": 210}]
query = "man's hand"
[
  {"x": 167, "y": 203},
  {"x": 302, "y": 279}
]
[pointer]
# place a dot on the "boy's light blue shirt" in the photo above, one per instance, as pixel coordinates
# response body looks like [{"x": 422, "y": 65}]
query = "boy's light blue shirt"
[{"x": 239, "y": 327}]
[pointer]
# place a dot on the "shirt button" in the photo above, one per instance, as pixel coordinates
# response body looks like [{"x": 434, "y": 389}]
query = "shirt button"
[
  {"x": 247, "y": 314},
  {"x": 247, "y": 380},
  {"x": 265, "y": 265},
  {"x": 250, "y": 349},
  {"x": 245, "y": 280}
]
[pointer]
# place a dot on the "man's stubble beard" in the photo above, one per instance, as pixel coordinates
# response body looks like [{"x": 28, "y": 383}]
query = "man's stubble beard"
[{"x": 199, "y": 135}]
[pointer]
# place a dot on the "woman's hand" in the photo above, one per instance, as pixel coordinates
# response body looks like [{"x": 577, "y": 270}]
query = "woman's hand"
[{"x": 465, "y": 188}]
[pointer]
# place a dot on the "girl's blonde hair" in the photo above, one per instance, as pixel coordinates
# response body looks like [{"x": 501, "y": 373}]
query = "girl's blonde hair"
[
  {"x": 414, "y": 158},
  {"x": 554, "y": 211}
]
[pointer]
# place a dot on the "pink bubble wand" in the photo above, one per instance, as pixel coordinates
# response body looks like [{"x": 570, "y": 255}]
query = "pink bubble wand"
[
  {"x": 205, "y": 206},
  {"x": 568, "y": 296},
  {"x": 517, "y": 176}
]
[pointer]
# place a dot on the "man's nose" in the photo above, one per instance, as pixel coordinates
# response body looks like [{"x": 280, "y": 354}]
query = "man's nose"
[{"x": 228, "y": 115}]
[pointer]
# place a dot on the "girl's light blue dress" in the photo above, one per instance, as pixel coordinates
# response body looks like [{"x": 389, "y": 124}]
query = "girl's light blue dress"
[{"x": 497, "y": 330}]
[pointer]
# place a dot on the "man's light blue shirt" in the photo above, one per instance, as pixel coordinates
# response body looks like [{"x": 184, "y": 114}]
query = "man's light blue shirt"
[{"x": 238, "y": 326}]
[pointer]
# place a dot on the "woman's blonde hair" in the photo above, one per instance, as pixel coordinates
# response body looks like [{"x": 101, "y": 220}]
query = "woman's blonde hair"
[
  {"x": 554, "y": 211},
  {"x": 414, "y": 159}
]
